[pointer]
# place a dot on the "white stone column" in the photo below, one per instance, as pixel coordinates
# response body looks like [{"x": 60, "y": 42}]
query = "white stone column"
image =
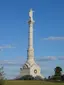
[
  {"x": 30, "y": 51},
  {"x": 30, "y": 35}
]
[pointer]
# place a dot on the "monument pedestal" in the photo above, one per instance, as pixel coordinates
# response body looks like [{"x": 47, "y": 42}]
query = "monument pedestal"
[{"x": 31, "y": 69}]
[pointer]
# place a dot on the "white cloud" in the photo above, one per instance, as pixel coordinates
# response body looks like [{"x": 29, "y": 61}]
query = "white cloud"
[
  {"x": 20, "y": 62},
  {"x": 10, "y": 62},
  {"x": 47, "y": 58},
  {"x": 2, "y": 47},
  {"x": 50, "y": 58},
  {"x": 61, "y": 58},
  {"x": 53, "y": 38}
]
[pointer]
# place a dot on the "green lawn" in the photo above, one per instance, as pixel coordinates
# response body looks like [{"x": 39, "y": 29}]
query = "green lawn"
[{"x": 21, "y": 82}]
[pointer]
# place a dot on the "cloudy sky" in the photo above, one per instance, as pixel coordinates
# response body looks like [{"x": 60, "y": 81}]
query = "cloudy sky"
[{"x": 48, "y": 34}]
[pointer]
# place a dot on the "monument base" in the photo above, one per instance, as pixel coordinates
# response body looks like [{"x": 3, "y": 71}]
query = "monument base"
[{"x": 31, "y": 69}]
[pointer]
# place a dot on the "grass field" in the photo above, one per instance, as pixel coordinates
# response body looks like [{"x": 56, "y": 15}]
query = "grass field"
[{"x": 20, "y": 82}]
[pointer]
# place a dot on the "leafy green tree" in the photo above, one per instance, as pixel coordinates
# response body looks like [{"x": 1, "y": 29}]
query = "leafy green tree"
[{"x": 58, "y": 71}]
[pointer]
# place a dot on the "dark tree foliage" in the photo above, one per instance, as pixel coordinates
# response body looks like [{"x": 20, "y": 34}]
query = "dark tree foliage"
[
  {"x": 29, "y": 77},
  {"x": 58, "y": 71},
  {"x": 62, "y": 77},
  {"x": 26, "y": 77},
  {"x": 38, "y": 78},
  {"x": 1, "y": 76},
  {"x": 57, "y": 75}
]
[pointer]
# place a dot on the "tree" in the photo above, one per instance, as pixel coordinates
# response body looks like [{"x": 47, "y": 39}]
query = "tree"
[
  {"x": 62, "y": 77},
  {"x": 49, "y": 77},
  {"x": 58, "y": 71},
  {"x": 1, "y": 76}
]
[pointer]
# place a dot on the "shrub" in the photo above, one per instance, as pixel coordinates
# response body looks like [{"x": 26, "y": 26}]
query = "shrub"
[{"x": 26, "y": 77}]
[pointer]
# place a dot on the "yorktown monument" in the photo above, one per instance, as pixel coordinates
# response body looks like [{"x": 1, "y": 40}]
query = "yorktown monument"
[{"x": 30, "y": 67}]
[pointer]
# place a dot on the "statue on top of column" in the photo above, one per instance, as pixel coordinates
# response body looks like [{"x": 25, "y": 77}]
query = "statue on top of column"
[{"x": 31, "y": 14}]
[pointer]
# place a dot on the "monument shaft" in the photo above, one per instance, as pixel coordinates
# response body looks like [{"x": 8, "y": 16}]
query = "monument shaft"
[
  {"x": 30, "y": 52},
  {"x": 30, "y": 42}
]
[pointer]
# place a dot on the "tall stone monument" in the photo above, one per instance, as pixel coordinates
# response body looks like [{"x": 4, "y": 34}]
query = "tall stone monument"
[{"x": 30, "y": 67}]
